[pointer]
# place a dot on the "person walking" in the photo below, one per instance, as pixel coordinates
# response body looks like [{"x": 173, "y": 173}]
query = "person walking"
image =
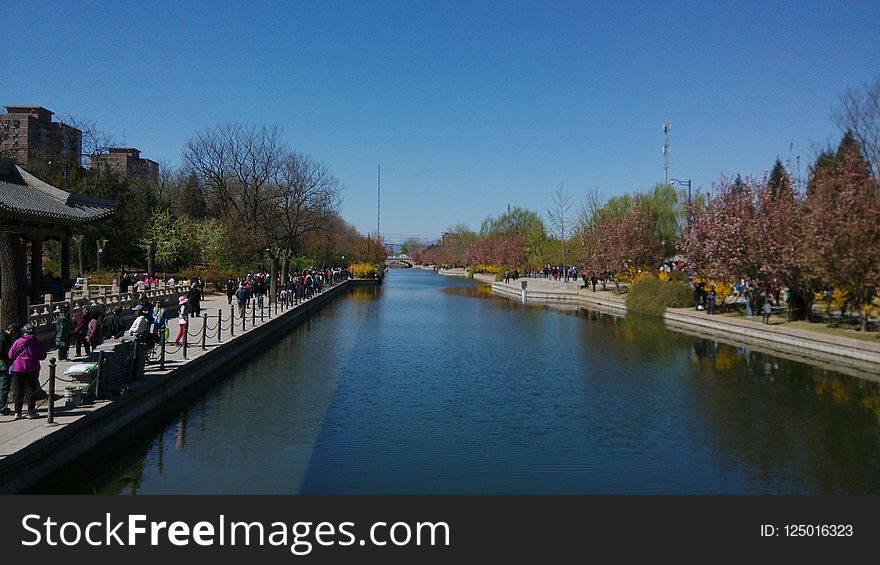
[
  {"x": 26, "y": 354},
  {"x": 80, "y": 329},
  {"x": 95, "y": 335},
  {"x": 230, "y": 290},
  {"x": 710, "y": 300},
  {"x": 242, "y": 296},
  {"x": 160, "y": 318},
  {"x": 767, "y": 310},
  {"x": 62, "y": 332},
  {"x": 195, "y": 297},
  {"x": 259, "y": 290},
  {"x": 7, "y": 338},
  {"x": 182, "y": 318}
]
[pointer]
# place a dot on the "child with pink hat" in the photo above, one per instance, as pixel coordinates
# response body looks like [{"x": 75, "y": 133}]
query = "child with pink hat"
[{"x": 182, "y": 318}]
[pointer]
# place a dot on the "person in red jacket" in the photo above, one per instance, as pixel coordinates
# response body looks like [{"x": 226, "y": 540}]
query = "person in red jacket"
[{"x": 26, "y": 354}]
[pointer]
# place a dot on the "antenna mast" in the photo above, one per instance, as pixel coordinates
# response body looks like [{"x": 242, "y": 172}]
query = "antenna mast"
[{"x": 667, "y": 127}]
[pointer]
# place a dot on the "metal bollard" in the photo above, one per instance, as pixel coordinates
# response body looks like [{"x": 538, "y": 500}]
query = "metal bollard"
[
  {"x": 162, "y": 349},
  {"x": 231, "y": 321},
  {"x": 204, "y": 330},
  {"x": 99, "y": 375},
  {"x": 243, "y": 320},
  {"x": 134, "y": 361},
  {"x": 50, "y": 419},
  {"x": 185, "y": 339},
  {"x": 262, "y": 313},
  {"x": 219, "y": 324},
  {"x": 254, "y": 312}
]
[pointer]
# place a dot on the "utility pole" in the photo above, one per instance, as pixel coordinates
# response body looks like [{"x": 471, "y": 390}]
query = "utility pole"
[{"x": 667, "y": 127}]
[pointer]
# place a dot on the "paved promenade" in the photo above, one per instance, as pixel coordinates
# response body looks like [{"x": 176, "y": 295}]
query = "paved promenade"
[{"x": 18, "y": 434}]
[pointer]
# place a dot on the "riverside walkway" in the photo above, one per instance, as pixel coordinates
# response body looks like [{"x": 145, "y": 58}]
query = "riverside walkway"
[{"x": 17, "y": 436}]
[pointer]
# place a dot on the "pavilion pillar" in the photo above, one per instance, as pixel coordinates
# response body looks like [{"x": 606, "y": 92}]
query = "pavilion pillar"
[
  {"x": 65, "y": 258},
  {"x": 36, "y": 268}
]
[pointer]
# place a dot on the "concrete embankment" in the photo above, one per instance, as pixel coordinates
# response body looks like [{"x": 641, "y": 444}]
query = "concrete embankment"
[
  {"x": 37, "y": 451},
  {"x": 851, "y": 356}
]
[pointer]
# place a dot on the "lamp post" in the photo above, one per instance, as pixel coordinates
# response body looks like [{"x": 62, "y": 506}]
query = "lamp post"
[
  {"x": 101, "y": 243},
  {"x": 688, "y": 184}
]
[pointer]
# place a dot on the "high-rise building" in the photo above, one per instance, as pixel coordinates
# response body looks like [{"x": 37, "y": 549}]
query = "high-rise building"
[
  {"x": 28, "y": 135},
  {"x": 127, "y": 162}
]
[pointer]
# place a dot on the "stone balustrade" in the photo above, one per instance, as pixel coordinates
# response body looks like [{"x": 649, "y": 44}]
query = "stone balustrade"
[{"x": 104, "y": 296}]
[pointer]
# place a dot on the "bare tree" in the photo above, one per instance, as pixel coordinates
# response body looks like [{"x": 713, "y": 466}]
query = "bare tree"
[
  {"x": 561, "y": 219},
  {"x": 305, "y": 195},
  {"x": 859, "y": 112},
  {"x": 237, "y": 165},
  {"x": 590, "y": 208}
]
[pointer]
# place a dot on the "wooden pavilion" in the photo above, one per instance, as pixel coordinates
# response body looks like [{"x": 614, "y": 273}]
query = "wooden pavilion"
[{"x": 32, "y": 212}]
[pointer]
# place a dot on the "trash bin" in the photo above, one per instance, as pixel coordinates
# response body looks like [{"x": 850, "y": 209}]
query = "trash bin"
[{"x": 525, "y": 284}]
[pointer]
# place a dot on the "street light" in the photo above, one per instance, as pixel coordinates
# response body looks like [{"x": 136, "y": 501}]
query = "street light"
[
  {"x": 101, "y": 243},
  {"x": 688, "y": 184}
]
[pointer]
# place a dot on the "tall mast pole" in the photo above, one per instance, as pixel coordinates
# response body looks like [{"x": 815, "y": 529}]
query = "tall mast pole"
[{"x": 666, "y": 129}]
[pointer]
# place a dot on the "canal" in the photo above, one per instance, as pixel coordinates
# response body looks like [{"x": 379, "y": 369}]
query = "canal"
[{"x": 433, "y": 385}]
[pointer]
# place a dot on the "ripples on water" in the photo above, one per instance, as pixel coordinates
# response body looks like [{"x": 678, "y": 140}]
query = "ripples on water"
[{"x": 433, "y": 385}]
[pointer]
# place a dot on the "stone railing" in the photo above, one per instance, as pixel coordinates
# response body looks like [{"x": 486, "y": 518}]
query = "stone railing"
[{"x": 104, "y": 297}]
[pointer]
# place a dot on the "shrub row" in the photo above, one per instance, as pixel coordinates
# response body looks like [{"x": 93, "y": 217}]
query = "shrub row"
[{"x": 652, "y": 296}]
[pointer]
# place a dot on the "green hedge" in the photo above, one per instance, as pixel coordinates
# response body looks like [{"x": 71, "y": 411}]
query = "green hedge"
[{"x": 653, "y": 296}]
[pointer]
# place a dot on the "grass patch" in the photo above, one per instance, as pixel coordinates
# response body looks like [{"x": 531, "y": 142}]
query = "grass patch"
[
  {"x": 653, "y": 296},
  {"x": 818, "y": 327}
]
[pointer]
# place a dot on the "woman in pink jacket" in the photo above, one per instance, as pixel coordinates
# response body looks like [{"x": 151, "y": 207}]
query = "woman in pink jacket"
[{"x": 26, "y": 354}]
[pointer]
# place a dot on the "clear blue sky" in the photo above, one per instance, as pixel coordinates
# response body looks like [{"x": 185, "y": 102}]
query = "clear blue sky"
[{"x": 467, "y": 106}]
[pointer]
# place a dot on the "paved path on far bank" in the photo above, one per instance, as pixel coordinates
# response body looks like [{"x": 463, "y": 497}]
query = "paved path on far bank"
[
  {"x": 832, "y": 351},
  {"x": 18, "y": 434}
]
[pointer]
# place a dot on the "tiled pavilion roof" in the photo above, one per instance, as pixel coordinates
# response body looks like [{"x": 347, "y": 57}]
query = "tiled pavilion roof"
[{"x": 24, "y": 197}]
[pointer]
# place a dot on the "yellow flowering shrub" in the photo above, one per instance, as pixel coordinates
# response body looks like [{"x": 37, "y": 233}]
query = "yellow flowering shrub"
[
  {"x": 664, "y": 276},
  {"x": 363, "y": 270},
  {"x": 488, "y": 269},
  {"x": 723, "y": 291},
  {"x": 634, "y": 276}
]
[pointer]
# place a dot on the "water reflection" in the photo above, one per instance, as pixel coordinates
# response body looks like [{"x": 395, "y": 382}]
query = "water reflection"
[{"x": 434, "y": 385}]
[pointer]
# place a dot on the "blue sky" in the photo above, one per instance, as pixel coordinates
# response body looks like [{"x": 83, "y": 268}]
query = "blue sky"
[{"x": 467, "y": 106}]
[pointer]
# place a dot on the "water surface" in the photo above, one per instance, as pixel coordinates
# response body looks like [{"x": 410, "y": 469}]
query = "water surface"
[{"x": 433, "y": 385}]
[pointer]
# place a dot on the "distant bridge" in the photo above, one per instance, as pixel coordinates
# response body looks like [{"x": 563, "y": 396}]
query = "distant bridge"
[{"x": 401, "y": 260}]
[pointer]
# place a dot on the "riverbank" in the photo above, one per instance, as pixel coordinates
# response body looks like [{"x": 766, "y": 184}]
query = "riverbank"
[
  {"x": 31, "y": 450},
  {"x": 852, "y": 356}
]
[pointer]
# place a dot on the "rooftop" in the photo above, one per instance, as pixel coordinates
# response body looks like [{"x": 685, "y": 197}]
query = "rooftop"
[{"x": 25, "y": 197}]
